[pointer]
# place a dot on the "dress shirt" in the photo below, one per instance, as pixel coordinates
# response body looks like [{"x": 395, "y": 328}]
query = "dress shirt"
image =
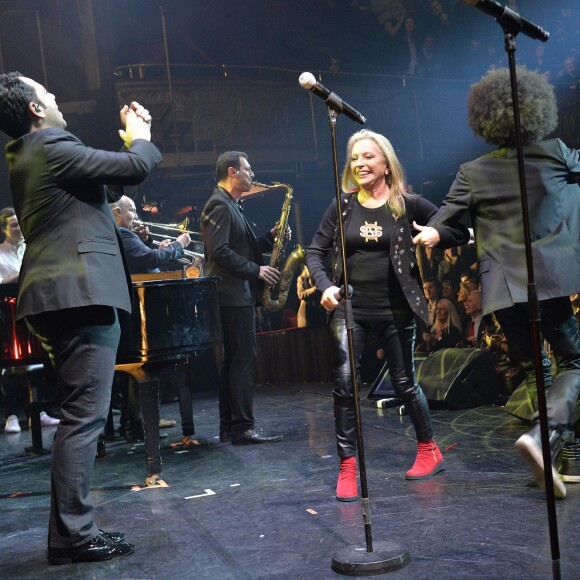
[{"x": 10, "y": 259}]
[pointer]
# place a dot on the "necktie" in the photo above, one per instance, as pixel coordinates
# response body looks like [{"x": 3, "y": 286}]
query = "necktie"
[{"x": 471, "y": 330}]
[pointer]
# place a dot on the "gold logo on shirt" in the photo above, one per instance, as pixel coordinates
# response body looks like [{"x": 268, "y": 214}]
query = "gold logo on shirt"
[{"x": 371, "y": 232}]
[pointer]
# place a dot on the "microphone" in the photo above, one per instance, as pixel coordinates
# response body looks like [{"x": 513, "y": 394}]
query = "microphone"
[
  {"x": 510, "y": 19},
  {"x": 341, "y": 292},
  {"x": 308, "y": 81}
]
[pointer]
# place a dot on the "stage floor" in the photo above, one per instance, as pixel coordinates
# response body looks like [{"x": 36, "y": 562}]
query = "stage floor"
[{"x": 269, "y": 512}]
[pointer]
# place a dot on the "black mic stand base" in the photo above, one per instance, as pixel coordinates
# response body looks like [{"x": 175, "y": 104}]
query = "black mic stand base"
[{"x": 357, "y": 561}]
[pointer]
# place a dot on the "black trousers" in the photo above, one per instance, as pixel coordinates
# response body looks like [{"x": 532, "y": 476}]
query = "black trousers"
[
  {"x": 238, "y": 369},
  {"x": 398, "y": 339},
  {"x": 560, "y": 328},
  {"x": 82, "y": 344}
]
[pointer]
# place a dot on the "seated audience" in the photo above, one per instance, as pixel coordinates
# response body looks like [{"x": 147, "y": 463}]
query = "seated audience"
[
  {"x": 446, "y": 332},
  {"x": 11, "y": 254},
  {"x": 475, "y": 331}
]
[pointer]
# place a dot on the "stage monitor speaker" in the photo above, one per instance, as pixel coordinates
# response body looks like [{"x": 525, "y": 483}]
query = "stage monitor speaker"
[
  {"x": 520, "y": 406},
  {"x": 459, "y": 378},
  {"x": 383, "y": 387}
]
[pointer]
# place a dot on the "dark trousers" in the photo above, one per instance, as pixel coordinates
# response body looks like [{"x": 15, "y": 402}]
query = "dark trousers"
[
  {"x": 560, "y": 328},
  {"x": 82, "y": 344},
  {"x": 238, "y": 369},
  {"x": 398, "y": 339}
]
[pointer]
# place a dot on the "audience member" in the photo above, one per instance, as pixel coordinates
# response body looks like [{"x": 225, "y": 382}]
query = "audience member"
[
  {"x": 449, "y": 267},
  {"x": 429, "y": 259},
  {"x": 446, "y": 332},
  {"x": 475, "y": 331},
  {"x": 11, "y": 254}
]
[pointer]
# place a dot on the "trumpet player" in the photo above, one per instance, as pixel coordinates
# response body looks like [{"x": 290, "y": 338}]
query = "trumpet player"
[
  {"x": 233, "y": 253},
  {"x": 141, "y": 257}
]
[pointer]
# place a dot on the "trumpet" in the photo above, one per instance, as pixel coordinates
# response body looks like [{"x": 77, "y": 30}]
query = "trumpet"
[
  {"x": 191, "y": 268},
  {"x": 185, "y": 252},
  {"x": 180, "y": 227}
]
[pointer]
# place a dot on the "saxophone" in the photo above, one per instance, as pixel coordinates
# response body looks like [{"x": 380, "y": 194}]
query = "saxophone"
[{"x": 274, "y": 297}]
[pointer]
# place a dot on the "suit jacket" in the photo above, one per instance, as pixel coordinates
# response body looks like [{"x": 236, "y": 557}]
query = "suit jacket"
[
  {"x": 488, "y": 188},
  {"x": 73, "y": 252},
  {"x": 142, "y": 259},
  {"x": 231, "y": 250}
]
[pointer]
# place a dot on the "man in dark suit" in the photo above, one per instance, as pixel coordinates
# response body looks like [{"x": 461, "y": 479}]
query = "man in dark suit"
[
  {"x": 488, "y": 189},
  {"x": 233, "y": 253},
  {"x": 72, "y": 282},
  {"x": 474, "y": 332}
]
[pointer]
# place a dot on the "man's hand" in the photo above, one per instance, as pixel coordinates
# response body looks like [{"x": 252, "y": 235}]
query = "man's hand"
[
  {"x": 275, "y": 231},
  {"x": 142, "y": 231},
  {"x": 427, "y": 236},
  {"x": 137, "y": 122},
  {"x": 139, "y": 110},
  {"x": 269, "y": 275},
  {"x": 184, "y": 240}
]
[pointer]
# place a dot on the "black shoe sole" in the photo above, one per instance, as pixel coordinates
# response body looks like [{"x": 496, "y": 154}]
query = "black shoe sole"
[{"x": 61, "y": 560}]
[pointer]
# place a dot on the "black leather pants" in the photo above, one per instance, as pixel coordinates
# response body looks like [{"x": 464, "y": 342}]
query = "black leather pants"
[
  {"x": 398, "y": 340},
  {"x": 560, "y": 328}
]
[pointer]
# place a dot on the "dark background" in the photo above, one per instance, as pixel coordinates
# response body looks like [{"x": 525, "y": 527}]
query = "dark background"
[{"x": 232, "y": 83}]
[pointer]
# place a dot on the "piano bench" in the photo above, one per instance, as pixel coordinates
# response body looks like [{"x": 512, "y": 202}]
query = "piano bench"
[{"x": 29, "y": 373}]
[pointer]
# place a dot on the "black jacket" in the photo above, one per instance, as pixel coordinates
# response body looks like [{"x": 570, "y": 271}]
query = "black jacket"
[
  {"x": 73, "y": 252},
  {"x": 231, "y": 250}
]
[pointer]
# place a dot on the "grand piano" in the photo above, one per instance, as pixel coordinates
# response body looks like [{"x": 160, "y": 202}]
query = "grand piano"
[{"x": 173, "y": 319}]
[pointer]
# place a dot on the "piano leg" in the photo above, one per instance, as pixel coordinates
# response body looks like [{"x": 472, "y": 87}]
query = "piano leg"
[
  {"x": 148, "y": 380},
  {"x": 149, "y": 397}
]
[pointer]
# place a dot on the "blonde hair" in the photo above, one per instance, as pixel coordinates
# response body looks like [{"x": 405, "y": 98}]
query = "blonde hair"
[
  {"x": 395, "y": 179},
  {"x": 452, "y": 318}
]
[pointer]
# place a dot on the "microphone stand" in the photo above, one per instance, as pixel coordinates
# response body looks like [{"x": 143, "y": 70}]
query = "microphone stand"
[
  {"x": 389, "y": 556},
  {"x": 510, "y": 31}
]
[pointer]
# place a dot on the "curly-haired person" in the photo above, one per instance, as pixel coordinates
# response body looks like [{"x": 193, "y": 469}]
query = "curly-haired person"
[{"x": 488, "y": 189}]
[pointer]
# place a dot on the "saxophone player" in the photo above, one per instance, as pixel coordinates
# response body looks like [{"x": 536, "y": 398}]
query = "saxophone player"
[{"x": 234, "y": 253}]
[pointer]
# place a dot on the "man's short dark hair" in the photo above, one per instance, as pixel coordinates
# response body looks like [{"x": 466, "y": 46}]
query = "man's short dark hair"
[
  {"x": 15, "y": 96},
  {"x": 433, "y": 281},
  {"x": 5, "y": 214},
  {"x": 226, "y": 160}
]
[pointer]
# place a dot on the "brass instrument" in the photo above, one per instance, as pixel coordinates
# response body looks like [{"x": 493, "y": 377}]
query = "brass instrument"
[
  {"x": 191, "y": 268},
  {"x": 274, "y": 297},
  {"x": 180, "y": 227}
]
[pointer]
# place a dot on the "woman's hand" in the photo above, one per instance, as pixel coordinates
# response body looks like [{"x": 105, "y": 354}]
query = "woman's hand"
[{"x": 329, "y": 298}]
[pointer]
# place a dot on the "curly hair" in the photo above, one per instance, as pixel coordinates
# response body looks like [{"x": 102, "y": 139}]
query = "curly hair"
[
  {"x": 15, "y": 96},
  {"x": 395, "y": 178},
  {"x": 490, "y": 112}
]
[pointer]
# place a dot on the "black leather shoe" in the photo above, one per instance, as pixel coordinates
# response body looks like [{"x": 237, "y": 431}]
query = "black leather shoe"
[
  {"x": 225, "y": 437},
  {"x": 99, "y": 549},
  {"x": 254, "y": 436},
  {"x": 115, "y": 537}
]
